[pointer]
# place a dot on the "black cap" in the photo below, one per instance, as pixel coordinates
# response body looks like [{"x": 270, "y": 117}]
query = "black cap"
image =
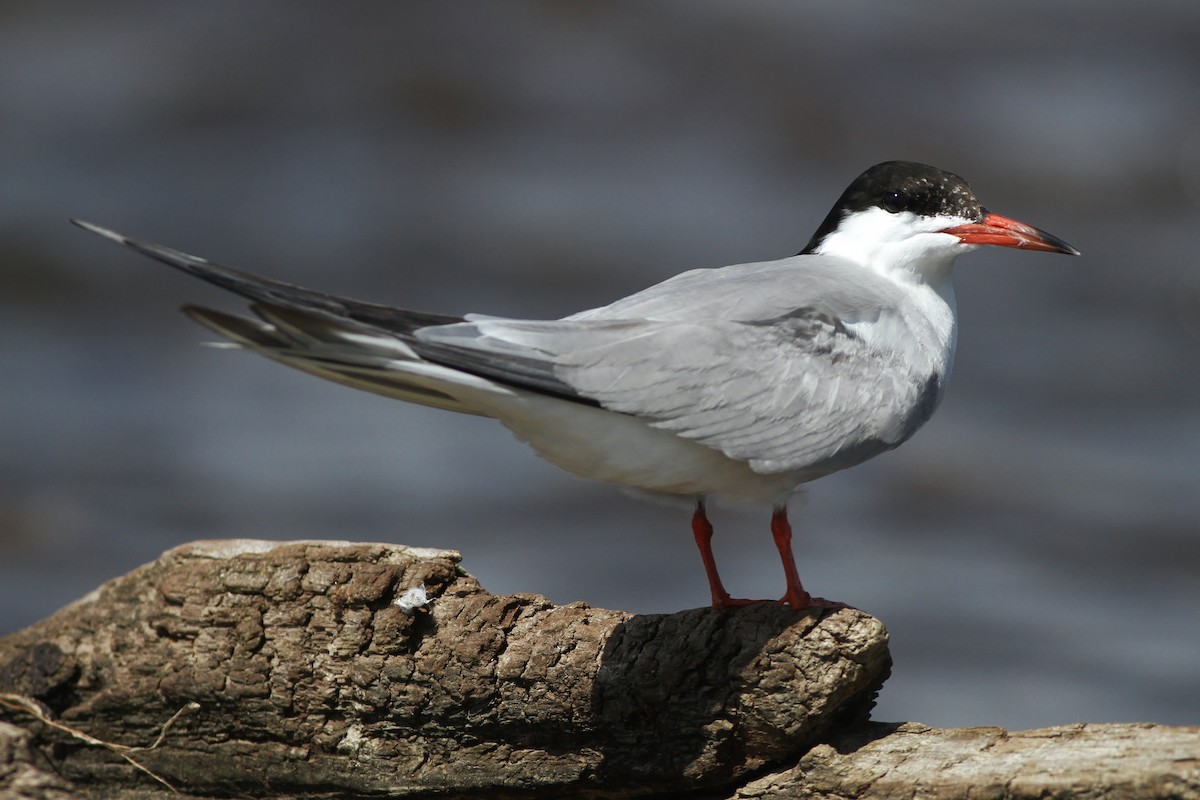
[{"x": 897, "y": 186}]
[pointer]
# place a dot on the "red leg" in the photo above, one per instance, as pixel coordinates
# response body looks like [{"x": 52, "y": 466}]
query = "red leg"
[
  {"x": 703, "y": 531},
  {"x": 796, "y": 597}
]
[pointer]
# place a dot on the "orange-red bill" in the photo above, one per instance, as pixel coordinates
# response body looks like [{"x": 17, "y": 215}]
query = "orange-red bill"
[{"x": 1006, "y": 232}]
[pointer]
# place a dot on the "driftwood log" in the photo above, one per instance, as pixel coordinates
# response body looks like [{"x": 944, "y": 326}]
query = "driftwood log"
[{"x": 321, "y": 669}]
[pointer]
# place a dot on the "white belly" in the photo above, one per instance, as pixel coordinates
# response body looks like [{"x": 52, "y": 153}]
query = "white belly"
[{"x": 617, "y": 448}]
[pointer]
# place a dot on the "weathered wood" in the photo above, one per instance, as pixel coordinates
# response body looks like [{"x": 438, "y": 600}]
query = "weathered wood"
[
  {"x": 1116, "y": 762},
  {"x": 22, "y": 772},
  {"x": 311, "y": 681}
]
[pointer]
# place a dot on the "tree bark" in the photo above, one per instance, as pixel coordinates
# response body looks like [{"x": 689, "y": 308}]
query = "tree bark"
[{"x": 317, "y": 669}]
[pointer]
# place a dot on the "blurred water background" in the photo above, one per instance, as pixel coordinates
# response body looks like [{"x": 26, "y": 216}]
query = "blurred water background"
[{"x": 1035, "y": 550}]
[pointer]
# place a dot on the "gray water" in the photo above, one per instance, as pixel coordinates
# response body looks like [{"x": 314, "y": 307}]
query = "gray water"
[{"x": 1034, "y": 551}]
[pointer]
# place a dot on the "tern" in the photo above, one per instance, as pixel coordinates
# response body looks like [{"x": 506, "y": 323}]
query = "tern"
[{"x": 742, "y": 382}]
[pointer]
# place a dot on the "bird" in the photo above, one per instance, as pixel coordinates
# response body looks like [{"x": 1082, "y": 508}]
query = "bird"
[{"x": 741, "y": 383}]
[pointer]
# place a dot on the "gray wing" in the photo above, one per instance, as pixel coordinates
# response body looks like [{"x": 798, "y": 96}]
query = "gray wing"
[
  {"x": 799, "y": 392},
  {"x": 758, "y": 361}
]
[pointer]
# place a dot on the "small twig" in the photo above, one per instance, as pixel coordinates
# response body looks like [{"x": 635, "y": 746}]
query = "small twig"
[
  {"x": 166, "y": 726},
  {"x": 19, "y": 702}
]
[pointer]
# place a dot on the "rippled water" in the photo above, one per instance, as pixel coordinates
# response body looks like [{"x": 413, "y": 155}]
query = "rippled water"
[{"x": 1035, "y": 551}]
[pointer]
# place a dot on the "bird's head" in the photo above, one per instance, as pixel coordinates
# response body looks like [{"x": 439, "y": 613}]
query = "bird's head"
[{"x": 900, "y": 215}]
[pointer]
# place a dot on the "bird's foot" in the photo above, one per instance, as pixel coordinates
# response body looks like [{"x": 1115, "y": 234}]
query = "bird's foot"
[
  {"x": 798, "y": 601},
  {"x": 725, "y": 601},
  {"x": 802, "y": 600}
]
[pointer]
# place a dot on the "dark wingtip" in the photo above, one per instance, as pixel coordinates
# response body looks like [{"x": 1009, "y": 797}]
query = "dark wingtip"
[{"x": 92, "y": 227}]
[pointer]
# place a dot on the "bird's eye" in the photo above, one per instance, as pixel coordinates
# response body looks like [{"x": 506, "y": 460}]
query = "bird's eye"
[{"x": 895, "y": 202}]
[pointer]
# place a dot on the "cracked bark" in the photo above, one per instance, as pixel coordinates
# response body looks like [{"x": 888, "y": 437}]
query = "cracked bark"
[{"x": 311, "y": 682}]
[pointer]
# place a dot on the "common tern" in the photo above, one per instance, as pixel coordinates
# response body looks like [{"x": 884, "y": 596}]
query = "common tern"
[{"x": 742, "y": 382}]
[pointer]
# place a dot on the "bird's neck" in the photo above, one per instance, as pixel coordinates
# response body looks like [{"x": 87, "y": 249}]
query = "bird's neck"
[
  {"x": 923, "y": 259},
  {"x": 894, "y": 246}
]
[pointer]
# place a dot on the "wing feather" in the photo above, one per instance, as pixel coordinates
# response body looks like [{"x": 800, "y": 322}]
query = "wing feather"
[{"x": 801, "y": 393}]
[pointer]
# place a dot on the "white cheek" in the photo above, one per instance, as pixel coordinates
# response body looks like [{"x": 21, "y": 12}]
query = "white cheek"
[
  {"x": 859, "y": 235},
  {"x": 887, "y": 242}
]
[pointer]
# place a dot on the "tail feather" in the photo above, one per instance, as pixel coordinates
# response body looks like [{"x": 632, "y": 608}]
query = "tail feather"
[
  {"x": 340, "y": 356},
  {"x": 244, "y": 331},
  {"x": 317, "y": 331}
]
